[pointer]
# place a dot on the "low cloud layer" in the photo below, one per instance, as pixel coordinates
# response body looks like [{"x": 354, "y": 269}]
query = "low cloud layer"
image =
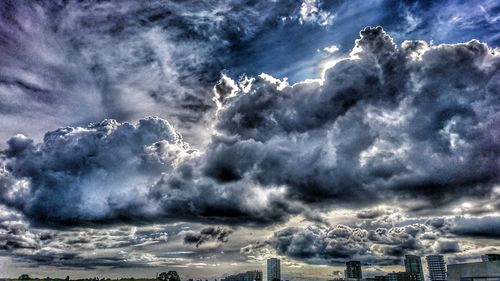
[
  {"x": 84, "y": 248},
  {"x": 342, "y": 243},
  {"x": 217, "y": 234},
  {"x": 382, "y": 241}
]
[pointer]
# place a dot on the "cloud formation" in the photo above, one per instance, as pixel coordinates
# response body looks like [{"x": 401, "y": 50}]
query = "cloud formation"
[
  {"x": 384, "y": 240},
  {"x": 320, "y": 245},
  {"x": 77, "y": 62},
  {"x": 416, "y": 124},
  {"x": 91, "y": 174},
  {"x": 408, "y": 124},
  {"x": 311, "y": 11},
  {"x": 477, "y": 227},
  {"x": 218, "y": 234},
  {"x": 109, "y": 247},
  {"x": 112, "y": 172}
]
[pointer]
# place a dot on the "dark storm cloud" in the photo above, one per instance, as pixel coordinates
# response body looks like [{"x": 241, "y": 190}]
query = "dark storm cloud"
[
  {"x": 378, "y": 242},
  {"x": 14, "y": 233},
  {"x": 218, "y": 234},
  {"x": 91, "y": 174},
  {"x": 319, "y": 245},
  {"x": 487, "y": 226},
  {"x": 416, "y": 124},
  {"x": 74, "y": 260},
  {"x": 112, "y": 172}
]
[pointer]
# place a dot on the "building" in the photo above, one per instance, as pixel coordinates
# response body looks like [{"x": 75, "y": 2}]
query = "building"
[
  {"x": 380, "y": 278},
  {"x": 490, "y": 257},
  {"x": 436, "y": 267},
  {"x": 408, "y": 276},
  {"x": 273, "y": 269},
  {"x": 400, "y": 276},
  {"x": 254, "y": 275},
  {"x": 393, "y": 276},
  {"x": 353, "y": 270},
  {"x": 475, "y": 271},
  {"x": 413, "y": 264}
]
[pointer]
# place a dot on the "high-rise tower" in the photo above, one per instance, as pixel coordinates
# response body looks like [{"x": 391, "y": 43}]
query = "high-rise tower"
[
  {"x": 413, "y": 264},
  {"x": 353, "y": 270},
  {"x": 273, "y": 269},
  {"x": 437, "y": 267}
]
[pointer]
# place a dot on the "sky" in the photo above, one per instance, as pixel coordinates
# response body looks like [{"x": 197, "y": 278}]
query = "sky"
[{"x": 207, "y": 136}]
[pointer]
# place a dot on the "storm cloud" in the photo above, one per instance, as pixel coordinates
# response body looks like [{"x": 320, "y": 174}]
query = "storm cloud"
[
  {"x": 112, "y": 172},
  {"x": 208, "y": 234},
  {"x": 324, "y": 245},
  {"x": 417, "y": 124},
  {"x": 92, "y": 173},
  {"x": 140, "y": 134},
  {"x": 383, "y": 241}
]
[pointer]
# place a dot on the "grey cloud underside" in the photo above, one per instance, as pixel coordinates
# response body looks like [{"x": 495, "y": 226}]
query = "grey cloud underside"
[
  {"x": 380, "y": 241},
  {"x": 115, "y": 172},
  {"x": 342, "y": 243},
  {"x": 86, "y": 248},
  {"x": 416, "y": 124},
  {"x": 208, "y": 234}
]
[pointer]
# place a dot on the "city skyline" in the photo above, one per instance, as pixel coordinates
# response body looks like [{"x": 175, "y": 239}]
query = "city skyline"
[
  {"x": 208, "y": 136},
  {"x": 413, "y": 271}
]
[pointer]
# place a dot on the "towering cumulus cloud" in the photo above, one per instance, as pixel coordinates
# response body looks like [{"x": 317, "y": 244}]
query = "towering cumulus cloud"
[
  {"x": 114, "y": 172},
  {"x": 417, "y": 124},
  {"x": 387, "y": 123},
  {"x": 93, "y": 173}
]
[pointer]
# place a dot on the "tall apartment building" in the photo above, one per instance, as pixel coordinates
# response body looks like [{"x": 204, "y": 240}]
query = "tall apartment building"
[
  {"x": 353, "y": 270},
  {"x": 273, "y": 269},
  {"x": 437, "y": 267},
  {"x": 413, "y": 264}
]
